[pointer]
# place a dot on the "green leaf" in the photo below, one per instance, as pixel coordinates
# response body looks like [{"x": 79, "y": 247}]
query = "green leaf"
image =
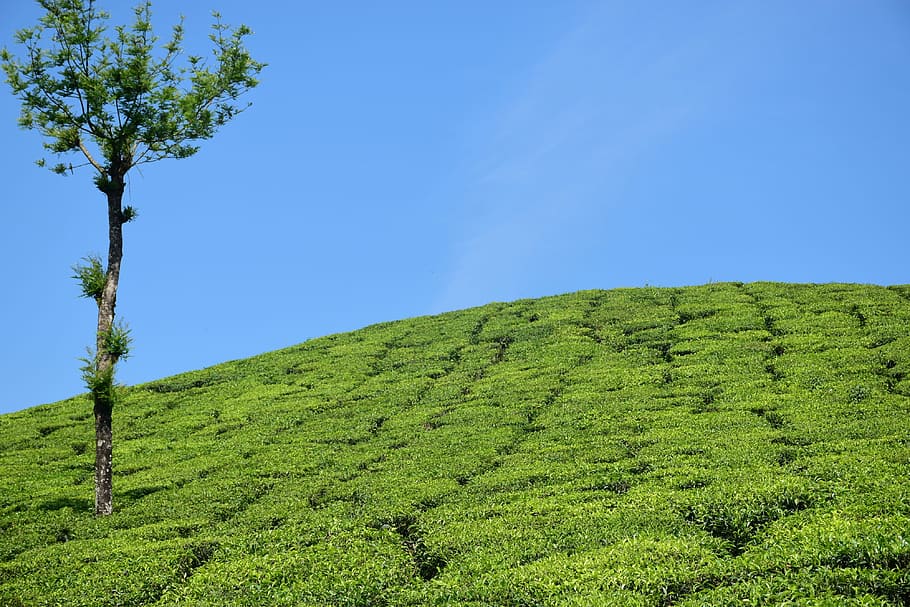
[
  {"x": 91, "y": 277},
  {"x": 117, "y": 341}
]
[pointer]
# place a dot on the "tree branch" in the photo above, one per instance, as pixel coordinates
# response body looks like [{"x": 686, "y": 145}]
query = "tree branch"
[{"x": 90, "y": 159}]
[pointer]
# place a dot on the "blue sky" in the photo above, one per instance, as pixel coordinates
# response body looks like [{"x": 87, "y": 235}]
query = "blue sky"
[{"x": 409, "y": 158}]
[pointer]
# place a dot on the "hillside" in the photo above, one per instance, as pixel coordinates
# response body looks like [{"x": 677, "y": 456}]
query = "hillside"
[{"x": 715, "y": 445}]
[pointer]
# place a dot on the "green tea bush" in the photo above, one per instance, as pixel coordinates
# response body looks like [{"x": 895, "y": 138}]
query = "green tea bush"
[{"x": 717, "y": 445}]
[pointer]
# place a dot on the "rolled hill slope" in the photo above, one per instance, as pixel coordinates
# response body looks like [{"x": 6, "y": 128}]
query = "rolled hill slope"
[{"x": 715, "y": 445}]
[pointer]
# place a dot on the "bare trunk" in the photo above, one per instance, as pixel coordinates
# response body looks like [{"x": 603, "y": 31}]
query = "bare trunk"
[
  {"x": 105, "y": 361},
  {"x": 104, "y": 450}
]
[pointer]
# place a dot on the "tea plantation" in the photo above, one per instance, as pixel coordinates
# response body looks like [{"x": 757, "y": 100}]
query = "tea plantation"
[{"x": 729, "y": 444}]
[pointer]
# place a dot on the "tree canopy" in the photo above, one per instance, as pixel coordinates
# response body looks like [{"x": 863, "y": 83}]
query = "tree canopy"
[{"x": 118, "y": 99}]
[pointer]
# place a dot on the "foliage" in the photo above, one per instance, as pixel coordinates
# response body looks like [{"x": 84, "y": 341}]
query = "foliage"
[
  {"x": 91, "y": 277},
  {"x": 117, "y": 341},
  {"x": 79, "y": 87},
  {"x": 99, "y": 382},
  {"x": 648, "y": 447}
]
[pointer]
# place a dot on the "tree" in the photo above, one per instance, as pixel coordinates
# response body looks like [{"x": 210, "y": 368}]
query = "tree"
[{"x": 118, "y": 102}]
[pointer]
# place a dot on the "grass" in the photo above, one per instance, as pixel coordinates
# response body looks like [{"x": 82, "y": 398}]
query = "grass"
[{"x": 716, "y": 445}]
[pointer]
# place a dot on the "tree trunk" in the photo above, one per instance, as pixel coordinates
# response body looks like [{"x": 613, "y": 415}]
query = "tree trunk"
[
  {"x": 104, "y": 450},
  {"x": 105, "y": 361}
]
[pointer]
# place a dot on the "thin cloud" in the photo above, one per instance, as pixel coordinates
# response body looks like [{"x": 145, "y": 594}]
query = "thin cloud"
[{"x": 560, "y": 151}]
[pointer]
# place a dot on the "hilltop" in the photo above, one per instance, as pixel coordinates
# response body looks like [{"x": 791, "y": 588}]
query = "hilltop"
[{"x": 716, "y": 445}]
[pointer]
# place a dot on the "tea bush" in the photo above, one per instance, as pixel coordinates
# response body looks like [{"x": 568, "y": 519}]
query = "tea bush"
[{"x": 715, "y": 445}]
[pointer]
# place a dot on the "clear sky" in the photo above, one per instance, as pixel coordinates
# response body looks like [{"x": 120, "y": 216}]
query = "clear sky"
[{"x": 409, "y": 158}]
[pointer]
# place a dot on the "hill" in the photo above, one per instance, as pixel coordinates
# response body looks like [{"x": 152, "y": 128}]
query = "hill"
[{"x": 715, "y": 445}]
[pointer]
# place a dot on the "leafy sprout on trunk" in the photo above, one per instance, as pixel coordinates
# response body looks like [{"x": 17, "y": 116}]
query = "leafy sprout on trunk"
[
  {"x": 117, "y": 341},
  {"x": 99, "y": 381},
  {"x": 91, "y": 277}
]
